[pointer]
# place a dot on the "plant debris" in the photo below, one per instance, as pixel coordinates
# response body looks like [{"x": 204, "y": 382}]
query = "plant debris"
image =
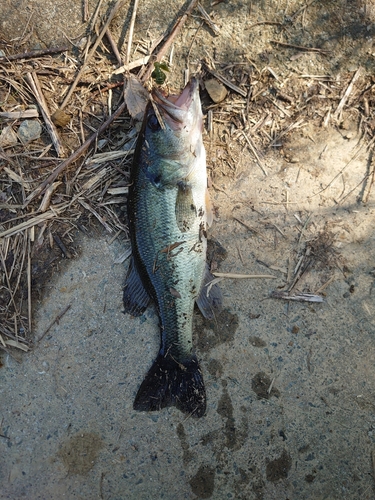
[{"x": 78, "y": 168}]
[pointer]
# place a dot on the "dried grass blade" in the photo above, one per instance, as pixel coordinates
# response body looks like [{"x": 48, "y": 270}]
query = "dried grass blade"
[
  {"x": 18, "y": 115},
  {"x": 227, "y": 82},
  {"x": 131, "y": 30},
  {"x": 29, "y": 282},
  {"x": 347, "y": 93},
  {"x": 300, "y": 297},
  {"x": 33, "y": 221},
  {"x": 169, "y": 40},
  {"x": 80, "y": 151},
  {"x": 244, "y": 276},
  {"x": 91, "y": 53},
  {"x": 95, "y": 213},
  {"x": 18, "y": 345},
  {"x": 134, "y": 64},
  {"x": 52, "y": 130}
]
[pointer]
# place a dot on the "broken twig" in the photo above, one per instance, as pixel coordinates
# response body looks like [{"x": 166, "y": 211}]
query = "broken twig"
[{"x": 38, "y": 94}]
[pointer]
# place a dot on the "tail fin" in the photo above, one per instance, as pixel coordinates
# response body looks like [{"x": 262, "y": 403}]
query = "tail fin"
[{"x": 169, "y": 383}]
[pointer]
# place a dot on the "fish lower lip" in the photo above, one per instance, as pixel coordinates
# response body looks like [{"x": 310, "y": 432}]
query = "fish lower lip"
[{"x": 179, "y": 103}]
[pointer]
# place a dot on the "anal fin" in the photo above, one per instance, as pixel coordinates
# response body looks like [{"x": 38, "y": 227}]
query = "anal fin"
[
  {"x": 210, "y": 299},
  {"x": 136, "y": 298}
]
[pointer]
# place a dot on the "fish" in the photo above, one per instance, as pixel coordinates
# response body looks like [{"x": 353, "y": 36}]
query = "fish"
[{"x": 169, "y": 212}]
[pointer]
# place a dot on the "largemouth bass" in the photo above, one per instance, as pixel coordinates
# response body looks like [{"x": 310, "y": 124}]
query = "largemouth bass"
[{"x": 168, "y": 214}]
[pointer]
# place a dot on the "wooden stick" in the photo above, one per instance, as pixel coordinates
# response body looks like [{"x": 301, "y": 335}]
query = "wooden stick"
[
  {"x": 260, "y": 23},
  {"x": 300, "y": 297},
  {"x": 132, "y": 65},
  {"x": 243, "y": 276},
  {"x": 131, "y": 30},
  {"x": 33, "y": 53},
  {"x": 18, "y": 115},
  {"x": 91, "y": 53},
  {"x": 56, "y": 320},
  {"x": 91, "y": 28},
  {"x": 246, "y": 225},
  {"x": 208, "y": 20},
  {"x": 33, "y": 222},
  {"x": 254, "y": 153},
  {"x": 226, "y": 82},
  {"x": 113, "y": 45},
  {"x": 38, "y": 94},
  {"x": 347, "y": 93},
  {"x": 80, "y": 151},
  {"x": 29, "y": 283},
  {"x": 300, "y": 47},
  {"x": 85, "y": 13},
  {"x": 169, "y": 40}
]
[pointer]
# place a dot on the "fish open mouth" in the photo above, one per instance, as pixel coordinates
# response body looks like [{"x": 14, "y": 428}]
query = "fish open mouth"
[{"x": 175, "y": 106}]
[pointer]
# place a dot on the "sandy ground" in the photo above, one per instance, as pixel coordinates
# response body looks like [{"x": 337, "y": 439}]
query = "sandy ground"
[{"x": 290, "y": 388}]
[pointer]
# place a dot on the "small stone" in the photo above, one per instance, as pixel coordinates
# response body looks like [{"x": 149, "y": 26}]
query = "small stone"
[
  {"x": 8, "y": 137},
  {"x": 60, "y": 118},
  {"x": 45, "y": 365},
  {"x": 216, "y": 90},
  {"x": 29, "y": 130},
  {"x": 82, "y": 43}
]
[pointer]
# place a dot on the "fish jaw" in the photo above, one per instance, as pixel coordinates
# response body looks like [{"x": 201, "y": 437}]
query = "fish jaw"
[
  {"x": 179, "y": 111},
  {"x": 175, "y": 152}
]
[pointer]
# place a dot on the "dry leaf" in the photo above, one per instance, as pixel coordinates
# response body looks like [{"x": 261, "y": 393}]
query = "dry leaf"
[{"x": 136, "y": 97}]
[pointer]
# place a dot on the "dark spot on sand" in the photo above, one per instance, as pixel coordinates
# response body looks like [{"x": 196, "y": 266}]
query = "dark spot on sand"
[
  {"x": 79, "y": 453},
  {"x": 203, "y": 483},
  {"x": 257, "y": 342},
  {"x": 215, "y": 368},
  {"x": 261, "y": 384},
  {"x": 217, "y": 331},
  {"x": 279, "y": 468},
  {"x": 187, "y": 454}
]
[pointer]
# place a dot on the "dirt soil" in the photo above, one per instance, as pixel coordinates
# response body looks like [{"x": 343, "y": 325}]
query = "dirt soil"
[{"x": 290, "y": 384}]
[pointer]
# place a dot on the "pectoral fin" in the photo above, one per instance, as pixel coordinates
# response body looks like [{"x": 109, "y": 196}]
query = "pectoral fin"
[
  {"x": 209, "y": 209},
  {"x": 186, "y": 211},
  {"x": 210, "y": 297},
  {"x": 136, "y": 298}
]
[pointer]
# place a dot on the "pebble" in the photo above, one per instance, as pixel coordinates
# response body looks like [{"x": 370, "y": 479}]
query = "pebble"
[
  {"x": 8, "y": 137},
  {"x": 60, "y": 118},
  {"x": 216, "y": 90},
  {"x": 29, "y": 130}
]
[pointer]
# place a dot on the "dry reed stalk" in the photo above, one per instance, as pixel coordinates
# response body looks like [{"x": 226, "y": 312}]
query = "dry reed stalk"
[
  {"x": 113, "y": 46},
  {"x": 33, "y": 54},
  {"x": 168, "y": 40},
  {"x": 112, "y": 14},
  {"x": 19, "y": 115},
  {"x": 77, "y": 154},
  {"x": 131, "y": 31},
  {"x": 38, "y": 94}
]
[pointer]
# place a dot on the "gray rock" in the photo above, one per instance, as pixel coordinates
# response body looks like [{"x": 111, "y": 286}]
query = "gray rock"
[{"x": 29, "y": 130}]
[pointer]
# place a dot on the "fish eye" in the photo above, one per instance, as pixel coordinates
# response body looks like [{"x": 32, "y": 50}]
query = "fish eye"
[{"x": 153, "y": 123}]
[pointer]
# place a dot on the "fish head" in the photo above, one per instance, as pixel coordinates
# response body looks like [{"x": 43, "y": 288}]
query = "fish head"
[{"x": 172, "y": 144}]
